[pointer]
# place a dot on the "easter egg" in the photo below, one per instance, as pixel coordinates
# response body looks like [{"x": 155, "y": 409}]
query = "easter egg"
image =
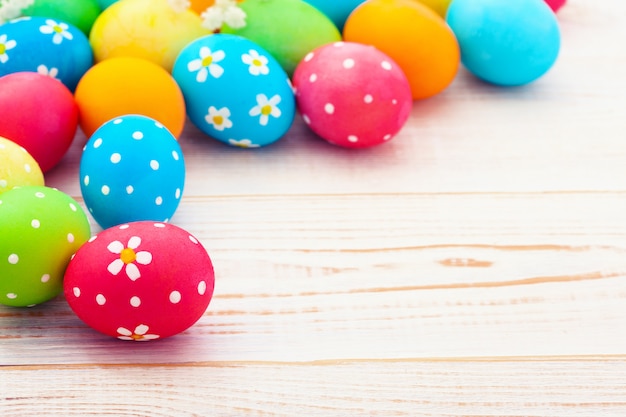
[
  {"x": 40, "y": 229},
  {"x": 105, "y": 3},
  {"x": 414, "y": 36},
  {"x": 140, "y": 281},
  {"x": 352, "y": 95},
  {"x": 127, "y": 85},
  {"x": 337, "y": 11},
  {"x": 200, "y": 6},
  {"x": 17, "y": 167},
  {"x": 38, "y": 113},
  {"x": 49, "y": 47},
  {"x": 506, "y": 43},
  {"x": 131, "y": 169},
  {"x": 555, "y": 5},
  {"x": 439, "y": 6},
  {"x": 149, "y": 29},
  {"x": 80, "y": 13},
  {"x": 235, "y": 91},
  {"x": 287, "y": 29}
]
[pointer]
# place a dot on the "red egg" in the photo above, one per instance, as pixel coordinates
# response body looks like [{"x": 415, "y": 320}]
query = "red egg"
[
  {"x": 352, "y": 95},
  {"x": 38, "y": 113},
  {"x": 140, "y": 281},
  {"x": 555, "y": 5}
]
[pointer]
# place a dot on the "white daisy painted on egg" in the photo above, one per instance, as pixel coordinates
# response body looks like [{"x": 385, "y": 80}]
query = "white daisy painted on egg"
[
  {"x": 207, "y": 64},
  {"x": 265, "y": 108},
  {"x": 243, "y": 143},
  {"x": 5, "y": 45},
  {"x": 58, "y": 30},
  {"x": 140, "y": 334},
  {"x": 219, "y": 119},
  {"x": 50, "y": 72},
  {"x": 257, "y": 64},
  {"x": 128, "y": 257}
]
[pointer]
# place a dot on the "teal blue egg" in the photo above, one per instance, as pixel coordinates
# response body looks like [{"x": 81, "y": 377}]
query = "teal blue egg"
[{"x": 337, "y": 11}]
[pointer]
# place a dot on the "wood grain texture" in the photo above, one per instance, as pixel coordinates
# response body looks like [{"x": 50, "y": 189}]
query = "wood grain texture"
[{"x": 473, "y": 266}]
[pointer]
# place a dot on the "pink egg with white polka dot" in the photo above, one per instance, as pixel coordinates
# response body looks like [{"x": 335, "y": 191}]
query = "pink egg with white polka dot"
[
  {"x": 352, "y": 95},
  {"x": 140, "y": 281}
]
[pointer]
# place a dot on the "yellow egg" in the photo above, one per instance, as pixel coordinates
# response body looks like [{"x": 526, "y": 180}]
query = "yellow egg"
[
  {"x": 148, "y": 29},
  {"x": 439, "y": 6},
  {"x": 17, "y": 167}
]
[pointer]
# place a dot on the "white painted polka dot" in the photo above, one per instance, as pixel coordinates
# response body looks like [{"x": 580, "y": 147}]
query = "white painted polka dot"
[
  {"x": 135, "y": 301},
  {"x": 368, "y": 98},
  {"x": 13, "y": 259},
  {"x": 175, "y": 155},
  {"x": 39, "y": 195},
  {"x": 394, "y": 101},
  {"x": 130, "y": 189},
  {"x": 353, "y": 139},
  {"x": 154, "y": 164},
  {"x": 386, "y": 137},
  {"x": 90, "y": 210},
  {"x": 309, "y": 57},
  {"x": 167, "y": 220},
  {"x": 306, "y": 119},
  {"x": 159, "y": 225},
  {"x": 117, "y": 121},
  {"x": 158, "y": 201},
  {"x": 101, "y": 299},
  {"x": 91, "y": 239},
  {"x": 45, "y": 278},
  {"x": 313, "y": 78},
  {"x": 175, "y": 297},
  {"x": 76, "y": 291},
  {"x": 72, "y": 257},
  {"x": 202, "y": 288},
  {"x": 3, "y": 183},
  {"x": 177, "y": 193},
  {"x": 329, "y": 108},
  {"x": 35, "y": 223},
  {"x": 193, "y": 239},
  {"x": 124, "y": 226},
  {"x": 105, "y": 190},
  {"x": 86, "y": 180},
  {"x": 159, "y": 125},
  {"x": 348, "y": 63},
  {"x": 11, "y": 296},
  {"x": 338, "y": 44},
  {"x": 97, "y": 143},
  {"x": 137, "y": 135},
  {"x": 2, "y": 146},
  {"x": 70, "y": 238},
  {"x": 27, "y": 168},
  {"x": 73, "y": 207},
  {"x": 386, "y": 65},
  {"x": 116, "y": 158}
]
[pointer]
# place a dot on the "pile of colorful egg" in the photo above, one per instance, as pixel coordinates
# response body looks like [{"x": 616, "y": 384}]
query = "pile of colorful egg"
[{"x": 129, "y": 73}]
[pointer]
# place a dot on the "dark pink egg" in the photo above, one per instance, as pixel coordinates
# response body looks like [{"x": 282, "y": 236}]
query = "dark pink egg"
[
  {"x": 140, "y": 281},
  {"x": 352, "y": 95},
  {"x": 40, "y": 114},
  {"x": 555, "y": 5}
]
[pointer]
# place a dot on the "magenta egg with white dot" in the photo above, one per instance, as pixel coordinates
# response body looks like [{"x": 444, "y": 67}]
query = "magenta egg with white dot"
[
  {"x": 140, "y": 281},
  {"x": 132, "y": 169},
  {"x": 352, "y": 95}
]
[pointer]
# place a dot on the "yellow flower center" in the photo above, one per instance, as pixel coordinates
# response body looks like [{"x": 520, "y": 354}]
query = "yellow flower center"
[
  {"x": 257, "y": 62},
  {"x": 218, "y": 120},
  {"x": 136, "y": 336},
  {"x": 206, "y": 61},
  {"x": 57, "y": 29},
  {"x": 266, "y": 110},
  {"x": 2, "y": 49},
  {"x": 128, "y": 256}
]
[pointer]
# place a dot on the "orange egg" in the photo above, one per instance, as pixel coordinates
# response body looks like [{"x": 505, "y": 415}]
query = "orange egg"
[
  {"x": 199, "y": 6},
  {"x": 414, "y": 36},
  {"x": 129, "y": 85}
]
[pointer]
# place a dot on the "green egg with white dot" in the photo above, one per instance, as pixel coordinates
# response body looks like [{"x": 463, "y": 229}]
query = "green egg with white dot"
[
  {"x": 40, "y": 229},
  {"x": 17, "y": 166}
]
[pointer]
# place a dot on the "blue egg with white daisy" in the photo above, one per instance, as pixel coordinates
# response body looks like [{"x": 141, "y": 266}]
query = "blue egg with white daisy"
[
  {"x": 235, "y": 91},
  {"x": 47, "y": 46},
  {"x": 132, "y": 169}
]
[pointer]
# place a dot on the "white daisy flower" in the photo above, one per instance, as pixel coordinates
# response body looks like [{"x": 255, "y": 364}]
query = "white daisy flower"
[
  {"x": 265, "y": 108},
  {"x": 207, "y": 64},
  {"x": 219, "y": 119},
  {"x": 128, "y": 256},
  {"x": 58, "y": 30},
  {"x": 257, "y": 64},
  {"x": 140, "y": 334},
  {"x": 5, "y": 45},
  {"x": 50, "y": 72},
  {"x": 243, "y": 143}
]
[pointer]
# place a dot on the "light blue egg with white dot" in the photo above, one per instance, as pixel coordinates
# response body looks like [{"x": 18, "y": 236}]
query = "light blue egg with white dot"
[
  {"x": 507, "y": 43},
  {"x": 235, "y": 91},
  {"x": 47, "y": 46},
  {"x": 132, "y": 169}
]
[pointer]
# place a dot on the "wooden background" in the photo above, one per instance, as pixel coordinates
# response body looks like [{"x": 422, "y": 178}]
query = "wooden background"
[{"x": 473, "y": 266}]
